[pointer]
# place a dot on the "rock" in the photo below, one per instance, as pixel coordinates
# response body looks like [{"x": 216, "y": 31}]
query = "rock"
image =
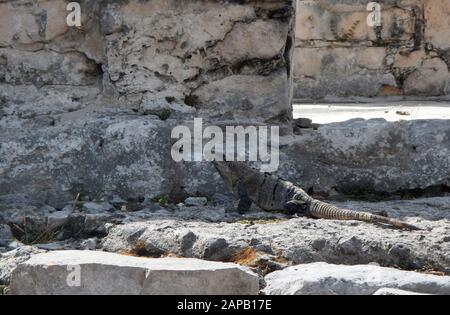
[
  {"x": 50, "y": 246},
  {"x": 212, "y": 233},
  {"x": 10, "y": 260},
  {"x": 5, "y": 235},
  {"x": 196, "y": 201},
  {"x": 432, "y": 78},
  {"x": 89, "y": 244},
  {"x": 327, "y": 161},
  {"x": 407, "y": 158},
  {"x": 58, "y": 219},
  {"x": 96, "y": 207},
  {"x": 104, "y": 273},
  {"x": 339, "y": 71},
  {"x": 325, "y": 279},
  {"x": 303, "y": 123},
  {"x": 390, "y": 291}
]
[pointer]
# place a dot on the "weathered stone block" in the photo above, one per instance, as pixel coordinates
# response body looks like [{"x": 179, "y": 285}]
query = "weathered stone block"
[
  {"x": 437, "y": 20},
  {"x": 152, "y": 52},
  {"x": 163, "y": 56},
  {"x": 360, "y": 157},
  {"x": 105, "y": 273},
  {"x": 431, "y": 78},
  {"x": 326, "y": 279},
  {"x": 411, "y": 31},
  {"x": 342, "y": 21},
  {"x": 340, "y": 71}
]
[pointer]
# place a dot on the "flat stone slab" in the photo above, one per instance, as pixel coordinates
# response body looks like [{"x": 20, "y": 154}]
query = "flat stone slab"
[
  {"x": 100, "y": 273},
  {"x": 327, "y": 279}
]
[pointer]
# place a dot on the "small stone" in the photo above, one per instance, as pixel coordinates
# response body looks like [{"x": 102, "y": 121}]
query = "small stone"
[
  {"x": 59, "y": 218},
  {"x": 303, "y": 123},
  {"x": 89, "y": 244},
  {"x": 50, "y": 246},
  {"x": 117, "y": 201},
  {"x": 97, "y": 207},
  {"x": 196, "y": 201}
]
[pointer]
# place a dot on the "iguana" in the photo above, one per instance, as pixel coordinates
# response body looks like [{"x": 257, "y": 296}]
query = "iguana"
[{"x": 271, "y": 193}]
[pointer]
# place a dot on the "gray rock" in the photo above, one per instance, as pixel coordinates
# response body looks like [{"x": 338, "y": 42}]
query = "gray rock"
[
  {"x": 367, "y": 158},
  {"x": 214, "y": 234},
  {"x": 325, "y": 279},
  {"x": 96, "y": 207},
  {"x": 89, "y": 244},
  {"x": 5, "y": 235},
  {"x": 50, "y": 246},
  {"x": 104, "y": 273},
  {"x": 390, "y": 291},
  {"x": 196, "y": 201},
  {"x": 10, "y": 260},
  {"x": 303, "y": 123},
  {"x": 59, "y": 218}
]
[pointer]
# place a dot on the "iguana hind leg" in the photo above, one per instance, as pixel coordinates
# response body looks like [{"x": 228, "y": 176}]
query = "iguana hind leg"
[{"x": 296, "y": 207}]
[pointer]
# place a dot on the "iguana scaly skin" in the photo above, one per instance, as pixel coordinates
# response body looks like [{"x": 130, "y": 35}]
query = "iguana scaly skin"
[{"x": 271, "y": 193}]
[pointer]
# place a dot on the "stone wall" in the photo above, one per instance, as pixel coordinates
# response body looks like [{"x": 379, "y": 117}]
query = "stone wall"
[
  {"x": 338, "y": 55},
  {"x": 89, "y": 110},
  {"x": 157, "y": 57}
]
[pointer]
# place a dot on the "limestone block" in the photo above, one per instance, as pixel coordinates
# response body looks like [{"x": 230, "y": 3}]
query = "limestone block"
[{"x": 103, "y": 273}]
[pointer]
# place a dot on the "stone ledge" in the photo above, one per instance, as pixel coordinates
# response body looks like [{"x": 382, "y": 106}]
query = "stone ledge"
[
  {"x": 325, "y": 279},
  {"x": 111, "y": 274}
]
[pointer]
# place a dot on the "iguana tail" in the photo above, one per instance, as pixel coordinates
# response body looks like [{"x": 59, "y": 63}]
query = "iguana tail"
[{"x": 322, "y": 210}]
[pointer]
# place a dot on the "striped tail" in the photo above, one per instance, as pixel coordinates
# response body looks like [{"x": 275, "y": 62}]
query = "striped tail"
[{"x": 322, "y": 210}]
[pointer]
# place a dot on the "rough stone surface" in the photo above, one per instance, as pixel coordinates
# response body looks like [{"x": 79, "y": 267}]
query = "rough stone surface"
[
  {"x": 97, "y": 155},
  {"x": 326, "y": 279},
  {"x": 214, "y": 234},
  {"x": 338, "y": 54},
  {"x": 5, "y": 235},
  {"x": 100, "y": 155},
  {"x": 150, "y": 55},
  {"x": 105, "y": 273},
  {"x": 261, "y": 240},
  {"x": 196, "y": 201},
  {"x": 10, "y": 260},
  {"x": 360, "y": 158}
]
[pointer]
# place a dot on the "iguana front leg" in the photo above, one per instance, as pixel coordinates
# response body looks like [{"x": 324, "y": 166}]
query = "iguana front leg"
[{"x": 245, "y": 202}]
